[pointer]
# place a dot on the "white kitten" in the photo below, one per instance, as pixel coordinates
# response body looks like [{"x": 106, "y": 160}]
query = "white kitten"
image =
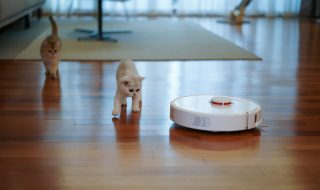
[{"x": 128, "y": 85}]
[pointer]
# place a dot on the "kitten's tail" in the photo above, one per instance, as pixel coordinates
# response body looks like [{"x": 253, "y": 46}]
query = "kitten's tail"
[{"x": 54, "y": 28}]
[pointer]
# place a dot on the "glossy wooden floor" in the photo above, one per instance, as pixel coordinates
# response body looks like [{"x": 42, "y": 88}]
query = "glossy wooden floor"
[{"x": 61, "y": 135}]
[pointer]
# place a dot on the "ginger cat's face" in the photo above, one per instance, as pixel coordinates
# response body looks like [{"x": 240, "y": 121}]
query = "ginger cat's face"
[{"x": 51, "y": 49}]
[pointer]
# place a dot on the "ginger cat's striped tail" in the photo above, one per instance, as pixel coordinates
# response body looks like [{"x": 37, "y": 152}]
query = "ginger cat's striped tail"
[{"x": 54, "y": 28}]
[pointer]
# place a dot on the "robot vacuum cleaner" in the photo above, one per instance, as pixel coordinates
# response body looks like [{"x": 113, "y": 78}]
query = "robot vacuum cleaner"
[{"x": 215, "y": 113}]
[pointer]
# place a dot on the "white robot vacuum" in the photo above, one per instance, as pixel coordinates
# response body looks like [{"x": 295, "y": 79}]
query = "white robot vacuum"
[{"x": 215, "y": 113}]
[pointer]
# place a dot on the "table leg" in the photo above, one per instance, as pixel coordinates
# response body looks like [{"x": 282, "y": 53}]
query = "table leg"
[{"x": 99, "y": 34}]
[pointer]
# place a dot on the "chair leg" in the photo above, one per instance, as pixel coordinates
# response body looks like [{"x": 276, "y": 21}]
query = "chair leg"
[
  {"x": 27, "y": 21},
  {"x": 125, "y": 10},
  {"x": 39, "y": 13},
  {"x": 174, "y": 4},
  {"x": 70, "y": 8}
]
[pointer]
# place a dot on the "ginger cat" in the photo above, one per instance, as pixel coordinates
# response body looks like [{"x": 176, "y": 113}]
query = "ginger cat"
[{"x": 51, "y": 50}]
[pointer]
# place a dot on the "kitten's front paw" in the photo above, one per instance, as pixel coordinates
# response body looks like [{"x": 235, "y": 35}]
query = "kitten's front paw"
[
  {"x": 53, "y": 76},
  {"x": 135, "y": 109},
  {"x": 115, "y": 112}
]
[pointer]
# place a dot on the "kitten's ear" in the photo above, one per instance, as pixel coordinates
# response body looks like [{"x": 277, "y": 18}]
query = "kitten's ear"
[
  {"x": 141, "y": 78},
  {"x": 45, "y": 43},
  {"x": 124, "y": 81}
]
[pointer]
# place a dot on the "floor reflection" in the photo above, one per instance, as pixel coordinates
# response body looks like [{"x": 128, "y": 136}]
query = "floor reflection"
[
  {"x": 51, "y": 95},
  {"x": 127, "y": 125},
  {"x": 214, "y": 140}
]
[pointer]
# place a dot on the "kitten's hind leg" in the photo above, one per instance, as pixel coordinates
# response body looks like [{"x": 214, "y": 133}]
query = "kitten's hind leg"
[
  {"x": 47, "y": 67},
  {"x": 140, "y": 96}
]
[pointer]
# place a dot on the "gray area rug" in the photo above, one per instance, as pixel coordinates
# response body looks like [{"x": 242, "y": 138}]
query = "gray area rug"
[{"x": 149, "y": 40}]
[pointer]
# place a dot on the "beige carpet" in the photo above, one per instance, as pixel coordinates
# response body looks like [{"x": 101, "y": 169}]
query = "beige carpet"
[{"x": 149, "y": 40}]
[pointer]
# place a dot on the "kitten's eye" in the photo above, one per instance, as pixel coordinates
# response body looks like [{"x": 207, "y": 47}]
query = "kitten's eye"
[
  {"x": 49, "y": 51},
  {"x": 131, "y": 90},
  {"x": 55, "y": 51},
  {"x": 137, "y": 90}
]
